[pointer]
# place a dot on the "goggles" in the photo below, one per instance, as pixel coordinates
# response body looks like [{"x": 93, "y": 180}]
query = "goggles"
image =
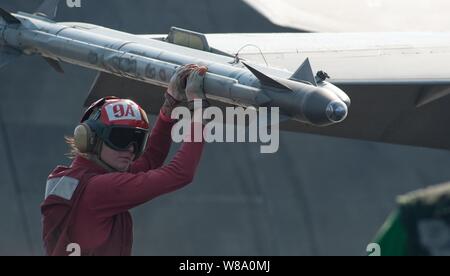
[{"x": 120, "y": 138}]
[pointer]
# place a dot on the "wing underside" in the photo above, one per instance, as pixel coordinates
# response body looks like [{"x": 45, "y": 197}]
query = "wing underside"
[{"x": 408, "y": 114}]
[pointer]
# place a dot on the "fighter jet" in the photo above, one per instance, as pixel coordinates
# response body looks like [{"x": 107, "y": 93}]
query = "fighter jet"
[{"x": 386, "y": 87}]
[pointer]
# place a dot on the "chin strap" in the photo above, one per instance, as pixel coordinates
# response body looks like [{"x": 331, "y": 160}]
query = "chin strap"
[
  {"x": 101, "y": 163},
  {"x": 95, "y": 156}
]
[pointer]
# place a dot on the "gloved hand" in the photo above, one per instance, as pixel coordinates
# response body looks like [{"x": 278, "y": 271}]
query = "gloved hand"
[
  {"x": 177, "y": 83},
  {"x": 194, "y": 87},
  {"x": 176, "y": 90}
]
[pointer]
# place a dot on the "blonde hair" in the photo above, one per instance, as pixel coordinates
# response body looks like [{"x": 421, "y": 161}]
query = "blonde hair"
[{"x": 74, "y": 152}]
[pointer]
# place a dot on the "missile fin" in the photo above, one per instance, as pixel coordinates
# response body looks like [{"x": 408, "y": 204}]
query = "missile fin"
[
  {"x": 265, "y": 79},
  {"x": 8, "y": 17},
  {"x": 48, "y": 8},
  {"x": 304, "y": 73},
  {"x": 55, "y": 65}
]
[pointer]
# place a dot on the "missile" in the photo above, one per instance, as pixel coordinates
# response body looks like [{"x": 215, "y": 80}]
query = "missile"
[{"x": 302, "y": 97}]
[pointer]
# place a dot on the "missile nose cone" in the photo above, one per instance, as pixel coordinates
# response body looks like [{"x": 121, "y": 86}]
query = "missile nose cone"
[{"x": 337, "y": 111}]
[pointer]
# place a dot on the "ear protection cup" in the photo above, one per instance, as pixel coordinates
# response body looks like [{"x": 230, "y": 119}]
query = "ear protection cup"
[{"x": 85, "y": 138}]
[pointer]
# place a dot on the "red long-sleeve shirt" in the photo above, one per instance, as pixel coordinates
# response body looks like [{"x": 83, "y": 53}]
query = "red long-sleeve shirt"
[{"x": 89, "y": 206}]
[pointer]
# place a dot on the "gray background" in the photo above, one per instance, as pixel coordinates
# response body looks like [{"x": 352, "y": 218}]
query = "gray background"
[{"x": 316, "y": 196}]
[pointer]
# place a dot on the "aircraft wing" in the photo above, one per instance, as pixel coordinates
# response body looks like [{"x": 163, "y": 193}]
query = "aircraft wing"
[
  {"x": 398, "y": 82},
  {"x": 356, "y": 15}
]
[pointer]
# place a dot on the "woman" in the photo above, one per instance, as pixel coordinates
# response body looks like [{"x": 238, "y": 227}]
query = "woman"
[{"x": 115, "y": 170}]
